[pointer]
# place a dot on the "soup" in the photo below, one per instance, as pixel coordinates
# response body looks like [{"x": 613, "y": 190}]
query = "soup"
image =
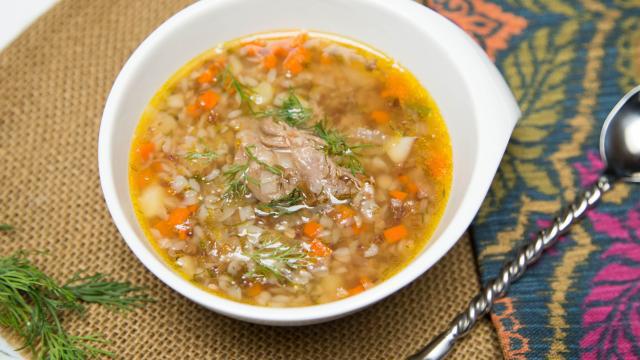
[{"x": 290, "y": 169}]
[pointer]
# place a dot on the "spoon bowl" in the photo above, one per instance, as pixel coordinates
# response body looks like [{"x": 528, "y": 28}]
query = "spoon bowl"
[{"x": 620, "y": 138}]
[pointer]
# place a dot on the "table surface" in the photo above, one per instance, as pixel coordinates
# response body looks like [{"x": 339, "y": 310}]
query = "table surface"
[{"x": 15, "y": 17}]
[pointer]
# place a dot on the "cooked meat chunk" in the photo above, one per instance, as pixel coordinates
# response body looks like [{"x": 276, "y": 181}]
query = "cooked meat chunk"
[{"x": 299, "y": 153}]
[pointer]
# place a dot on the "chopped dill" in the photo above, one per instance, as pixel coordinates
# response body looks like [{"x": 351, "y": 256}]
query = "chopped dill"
[
  {"x": 291, "y": 111},
  {"x": 237, "y": 177},
  {"x": 274, "y": 258},
  {"x": 287, "y": 204},
  {"x": 32, "y": 305},
  {"x": 207, "y": 155},
  {"x": 276, "y": 170},
  {"x": 6, "y": 228},
  {"x": 336, "y": 145},
  {"x": 229, "y": 81}
]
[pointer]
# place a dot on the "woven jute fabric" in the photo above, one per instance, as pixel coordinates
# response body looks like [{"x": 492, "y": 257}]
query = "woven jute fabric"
[{"x": 54, "y": 81}]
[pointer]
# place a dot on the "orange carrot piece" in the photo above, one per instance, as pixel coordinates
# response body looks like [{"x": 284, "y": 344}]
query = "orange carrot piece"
[
  {"x": 319, "y": 249},
  {"x": 343, "y": 212},
  {"x": 206, "y": 77},
  {"x": 145, "y": 150},
  {"x": 325, "y": 59},
  {"x": 270, "y": 61},
  {"x": 164, "y": 228},
  {"x": 300, "y": 39},
  {"x": 254, "y": 290},
  {"x": 437, "y": 165},
  {"x": 395, "y": 234},
  {"x": 311, "y": 229},
  {"x": 178, "y": 216},
  {"x": 380, "y": 116},
  {"x": 409, "y": 184},
  {"x": 208, "y": 99},
  {"x": 357, "y": 230},
  {"x": 252, "y": 50},
  {"x": 145, "y": 177},
  {"x": 183, "y": 233},
  {"x": 395, "y": 87},
  {"x": 294, "y": 62},
  {"x": 193, "y": 110},
  {"x": 356, "y": 290},
  {"x": 399, "y": 195}
]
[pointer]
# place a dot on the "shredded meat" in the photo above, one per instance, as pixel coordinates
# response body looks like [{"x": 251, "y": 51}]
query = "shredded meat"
[{"x": 300, "y": 154}]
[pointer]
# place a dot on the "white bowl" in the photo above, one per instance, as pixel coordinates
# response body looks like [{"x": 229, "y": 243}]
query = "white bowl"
[{"x": 476, "y": 103}]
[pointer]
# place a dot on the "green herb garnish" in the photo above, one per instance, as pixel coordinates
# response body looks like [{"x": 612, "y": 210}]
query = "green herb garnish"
[
  {"x": 5, "y": 228},
  {"x": 276, "y": 170},
  {"x": 32, "y": 304},
  {"x": 236, "y": 176},
  {"x": 208, "y": 155},
  {"x": 291, "y": 112},
  {"x": 287, "y": 204},
  {"x": 228, "y": 80},
  {"x": 336, "y": 145},
  {"x": 273, "y": 258}
]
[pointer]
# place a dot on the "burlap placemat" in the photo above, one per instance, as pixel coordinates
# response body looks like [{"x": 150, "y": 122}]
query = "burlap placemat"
[{"x": 53, "y": 84}]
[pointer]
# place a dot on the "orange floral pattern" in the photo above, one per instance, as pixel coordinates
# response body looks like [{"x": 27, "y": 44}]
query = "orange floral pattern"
[{"x": 489, "y": 25}]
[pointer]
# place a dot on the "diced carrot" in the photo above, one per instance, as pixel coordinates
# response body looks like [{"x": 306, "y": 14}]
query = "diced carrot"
[
  {"x": 208, "y": 99},
  {"x": 380, "y": 116},
  {"x": 145, "y": 150},
  {"x": 311, "y": 229},
  {"x": 325, "y": 59},
  {"x": 409, "y": 184},
  {"x": 193, "y": 110},
  {"x": 395, "y": 234},
  {"x": 270, "y": 61},
  {"x": 254, "y": 290},
  {"x": 399, "y": 195},
  {"x": 356, "y": 290},
  {"x": 183, "y": 233},
  {"x": 252, "y": 50},
  {"x": 300, "y": 39},
  {"x": 206, "y": 77},
  {"x": 437, "y": 165},
  {"x": 192, "y": 208},
  {"x": 319, "y": 249},
  {"x": 343, "y": 212},
  {"x": 164, "y": 228},
  {"x": 145, "y": 177},
  {"x": 157, "y": 166},
  {"x": 178, "y": 216},
  {"x": 280, "y": 50},
  {"x": 395, "y": 87},
  {"x": 294, "y": 62},
  {"x": 357, "y": 230}
]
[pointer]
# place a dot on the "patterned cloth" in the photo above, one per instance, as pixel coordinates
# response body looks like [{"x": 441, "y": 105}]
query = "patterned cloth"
[{"x": 568, "y": 63}]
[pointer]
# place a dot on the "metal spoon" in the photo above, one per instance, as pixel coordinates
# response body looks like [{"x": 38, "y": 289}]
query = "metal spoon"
[{"x": 620, "y": 151}]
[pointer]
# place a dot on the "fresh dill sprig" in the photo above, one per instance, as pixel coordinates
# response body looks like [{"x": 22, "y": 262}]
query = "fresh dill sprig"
[
  {"x": 6, "y": 228},
  {"x": 276, "y": 170},
  {"x": 287, "y": 204},
  {"x": 208, "y": 155},
  {"x": 228, "y": 80},
  {"x": 96, "y": 289},
  {"x": 274, "y": 258},
  {"x": 336, "y": 145},
  {"x": 32, "y": 304},
  {"x": 236, "y": 176},
  {"x": 291, "y": 111}
]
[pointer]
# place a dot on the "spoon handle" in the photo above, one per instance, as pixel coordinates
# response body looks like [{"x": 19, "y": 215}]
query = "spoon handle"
[{"x": 439, "y": 347}]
